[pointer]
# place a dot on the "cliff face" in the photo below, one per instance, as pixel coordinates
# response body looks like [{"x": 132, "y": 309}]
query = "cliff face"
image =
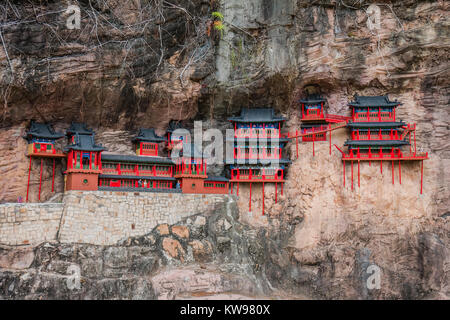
[{"x": 144, "y": 63}]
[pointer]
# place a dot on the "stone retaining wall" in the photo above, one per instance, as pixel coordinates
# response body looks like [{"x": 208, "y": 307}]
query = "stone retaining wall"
[
  {"x": 107, "y": 217},
  {"x": 28, "y": 223}
]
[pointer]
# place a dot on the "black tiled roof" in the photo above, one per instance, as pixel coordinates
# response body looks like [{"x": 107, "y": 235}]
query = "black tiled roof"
[
  {"x": 84, "y": 142},
  {"x": 257, "y": 115},
  {"x": 132, "y": 158},
  {"x": 148, "y": 135},
  {"x": 42, "y": 130},
  {"x": 312, "y": 99},
  {"x": 219, "y": 179},
  {"x": 115, "y": 176},
  {"x": 376, "y": 124},
  {"x": 119, "y": 189},
  {"x": 80, "y": 128},
  {"x": 373, "y": 101},
  {"x": 369, "y": 143}
]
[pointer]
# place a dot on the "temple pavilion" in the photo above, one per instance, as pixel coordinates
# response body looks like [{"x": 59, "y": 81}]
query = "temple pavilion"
[{"x": 257, "y": 149}]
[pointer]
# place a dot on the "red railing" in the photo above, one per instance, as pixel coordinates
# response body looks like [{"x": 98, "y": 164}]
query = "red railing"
[
  {"x": 373, "y": 116},
  {"x": 137, "y": 172},
  {"x": 126, "y": 183},
  {"x": 248, "y": 174},
  {"x": 257, "y": 133},
  {"x": 375, "y": 135},
  {"x": 261, "y": 154}
]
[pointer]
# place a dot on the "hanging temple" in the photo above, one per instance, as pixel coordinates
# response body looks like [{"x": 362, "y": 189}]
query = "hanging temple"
[{"x": 375, "y": 135}]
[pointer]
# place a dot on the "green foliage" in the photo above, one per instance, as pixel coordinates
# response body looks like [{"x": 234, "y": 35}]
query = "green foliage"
[{"x": 217, "y": 15}]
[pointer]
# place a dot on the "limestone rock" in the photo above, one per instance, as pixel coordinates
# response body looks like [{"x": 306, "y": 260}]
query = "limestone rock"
[{"x": 181, "y": 231}]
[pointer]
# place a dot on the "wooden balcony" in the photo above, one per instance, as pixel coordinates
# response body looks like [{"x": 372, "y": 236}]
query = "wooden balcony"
[{"x": 44, "y": 151}]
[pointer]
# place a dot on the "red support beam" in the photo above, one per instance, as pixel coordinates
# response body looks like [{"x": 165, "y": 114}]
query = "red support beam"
[
  {"x": 263, "y": 198},
  {"x": 415, "y": 150},
  {"x": 40, "y": 180},
  {"x": 392, "y": 172},
  {"x": 352, "y": 174},
  {"x": 276, "y": 192},
  {"x": 329, "y": 128},
  {"x": 421, "y": 177},
  {"x": 314, "y": 153},
  {"x": 250, "y": 199},
  {"x": 400, "y": 171},
  {"x": 343, "y": 162},
  {"x": 359, "y": 185},
  {"x": 28, "y": 183},
  {"x": 381, "y": 166},
  {"x": 53, "y": 176}
]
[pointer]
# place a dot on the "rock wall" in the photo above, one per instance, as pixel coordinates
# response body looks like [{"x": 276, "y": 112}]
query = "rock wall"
[
  {"x": 320, "y": 236},
  {"x": 98, "y": 217}
]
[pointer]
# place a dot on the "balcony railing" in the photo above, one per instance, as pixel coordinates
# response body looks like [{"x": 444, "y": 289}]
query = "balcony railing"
[{"x": 373, "y": 117}]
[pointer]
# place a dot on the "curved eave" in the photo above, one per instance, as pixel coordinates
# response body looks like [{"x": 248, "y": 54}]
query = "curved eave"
[
  {"x": 76, "y": 148},
  {"x": 311, "y": 101},
  {"x": 377, "y": 143},
  {"x": 376, "y": 124},
  {"x": 139, "y": 159},
  {"x": 30, "y": 135},
  {"x": 256, "y": 121},
  {"x": 148, "y": 140},
  {"x": 392, "y": 104}
]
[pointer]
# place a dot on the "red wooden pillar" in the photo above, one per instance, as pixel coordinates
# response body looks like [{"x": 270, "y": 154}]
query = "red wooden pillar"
[
  {"x": 53, "y": 176},
  {"x": 400, "y": 171},
  {"x": 352, "y": 174},
  {"x": 343, "y": 163},
  {"x": 392, "y": 172},
  {"x": 296, "y": 142},
  {"x": 381, "y": 166},
  {"x": 410, "y": 147},
  {"x": 329, "y": 128},
  {"x": 40, "y": 180},
  {"x": 314, "y": 153},
  {"x": 415, "y": 150},
  {"x": 359, "y": 185},
  {"x": 28, "y": 183},
  {"x": 276, "y": 192},
  {"x": 282, "y": 188},
  {"x": 263, "y": 199},
  {"x": 421, "y": 177},
  {"x": 250, "y": 199}
]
